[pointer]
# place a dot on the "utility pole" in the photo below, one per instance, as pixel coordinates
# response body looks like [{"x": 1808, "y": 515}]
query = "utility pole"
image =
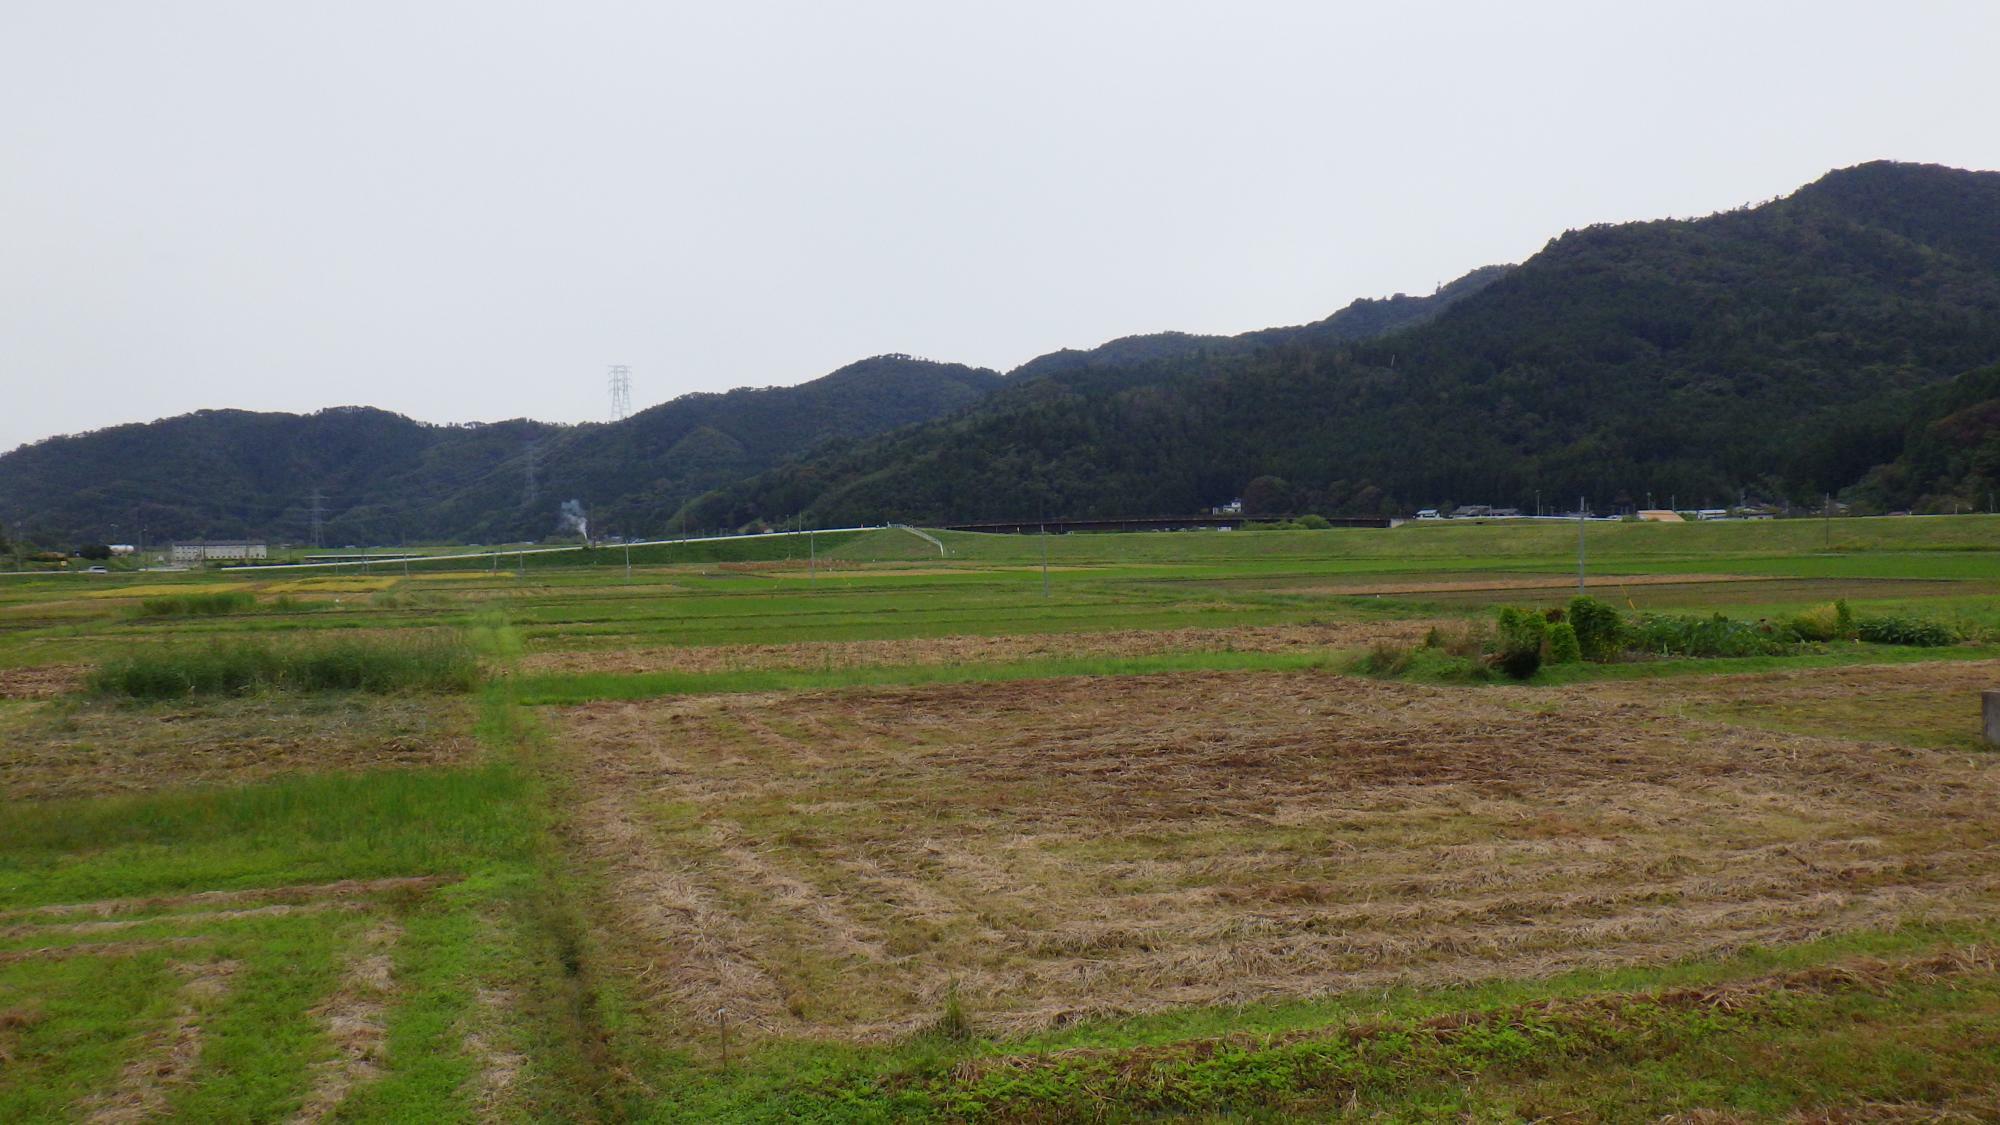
[
  {"x": 812, "y": 560},
  {"x": 1045, "y": 560},
  {"x": 1580, "y": 510},
  {"x": 628, "y": 558},
  {"x": 1826, "y": 521}
]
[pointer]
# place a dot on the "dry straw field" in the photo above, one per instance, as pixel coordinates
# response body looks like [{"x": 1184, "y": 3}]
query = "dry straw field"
[{"x": 830, "y": 864}]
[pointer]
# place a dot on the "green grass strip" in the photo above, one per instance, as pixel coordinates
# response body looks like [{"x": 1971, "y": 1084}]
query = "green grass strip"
[{"x": 543, "y": 690}]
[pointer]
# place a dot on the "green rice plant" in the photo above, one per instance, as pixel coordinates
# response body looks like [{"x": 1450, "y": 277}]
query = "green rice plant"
[
  {"x": 1913, "y": 631},
  {"x": 430, "y": 664}
]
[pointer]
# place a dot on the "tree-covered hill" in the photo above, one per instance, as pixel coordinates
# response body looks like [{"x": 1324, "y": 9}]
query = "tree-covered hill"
[
  {"x": 1784, "y": 350},
  {"x": 1836, "y": 340},
  {"x": 383, "y": 477}
]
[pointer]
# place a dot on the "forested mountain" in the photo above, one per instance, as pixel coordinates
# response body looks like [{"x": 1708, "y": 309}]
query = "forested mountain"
[
  {"x": 1842, "y": 339},
  {"x": 1783, "y": 350},
  {"x": 383, "y": 477}
]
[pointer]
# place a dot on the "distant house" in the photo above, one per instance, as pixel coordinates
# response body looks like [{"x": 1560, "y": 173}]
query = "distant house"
[
  {"x": 1659, "y": 515},
  {"x": 121, "y": 549},
  {"x": 1471, "y": 511},
  {"x": 1504, "y": 513},
  {"x": 1233, "y": 508},
  {"x": 1428, "y": 514},
  {"x": 219, "y": 550}
]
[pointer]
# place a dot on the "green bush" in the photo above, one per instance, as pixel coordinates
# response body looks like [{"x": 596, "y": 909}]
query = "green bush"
[
  {"x": 178, "y": 671},
  {"x": 1563, "y": 647},
  {"x": 1522, "y": 634},
  {"x": 1906, "y": 631},
  {"x": 1821, "y": 623},
  {"x": 1600, "y": 630},
  {"x": 1678, "y": 635}
]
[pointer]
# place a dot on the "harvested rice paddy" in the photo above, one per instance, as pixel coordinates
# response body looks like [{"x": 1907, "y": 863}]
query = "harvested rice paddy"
[{"x": 889, "y": 835}]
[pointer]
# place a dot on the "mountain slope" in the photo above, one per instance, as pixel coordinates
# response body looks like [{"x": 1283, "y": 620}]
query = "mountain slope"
[
  {"x": 384, "y": 477},
  {"x": 1781, "y": 349}
]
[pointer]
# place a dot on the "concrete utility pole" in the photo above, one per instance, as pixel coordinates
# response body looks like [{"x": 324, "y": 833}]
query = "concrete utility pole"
[{"x": 1580, "y": 509}]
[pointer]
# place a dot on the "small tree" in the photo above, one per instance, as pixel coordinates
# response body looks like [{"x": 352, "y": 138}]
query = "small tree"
[
  {"x": 1267, "y": 496},
  {"x": 96, "y": 551},
  {"x": 1600, "y": 631}
]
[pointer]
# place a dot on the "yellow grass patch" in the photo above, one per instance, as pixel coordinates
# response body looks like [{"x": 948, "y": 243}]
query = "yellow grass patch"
[
  {"x": 163, "y": 589},
  {"x": 329, "y": 585}
]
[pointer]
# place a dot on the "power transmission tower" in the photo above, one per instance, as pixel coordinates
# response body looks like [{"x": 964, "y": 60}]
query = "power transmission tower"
[
  {"x": 318, "y": 520},
  {"x": 621, "y": 392}
]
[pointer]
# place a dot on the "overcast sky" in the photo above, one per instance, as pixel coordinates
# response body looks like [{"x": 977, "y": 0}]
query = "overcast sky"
[{"x": 466, "y": 211}]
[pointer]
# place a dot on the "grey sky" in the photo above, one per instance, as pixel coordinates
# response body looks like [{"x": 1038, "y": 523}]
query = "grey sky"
[{"x": 465, "y": 211}]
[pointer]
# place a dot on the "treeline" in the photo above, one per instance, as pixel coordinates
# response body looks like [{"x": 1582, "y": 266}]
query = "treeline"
[{"x": 384, "y": 478}]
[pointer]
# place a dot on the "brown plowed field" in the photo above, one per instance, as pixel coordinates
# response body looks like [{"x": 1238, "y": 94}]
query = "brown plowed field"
[{"x": 831, "y": 864}]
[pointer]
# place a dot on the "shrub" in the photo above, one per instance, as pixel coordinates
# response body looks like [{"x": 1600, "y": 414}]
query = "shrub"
[
  {"x": 1821, "y": 623},
  {"x": 1600, "y": 631},
  {"x": 1432, "y": 663},
  {"x": 1675, "y": 635},
  {"x": 1906, "y": 631},
  {"x": 1312, "y": 523},
  {"x": 1563, "y": 647},
  {"x": 1523, "y": 632},
  {"x": 1385, "y": 658},
  {"x": 176, "y": 672}
]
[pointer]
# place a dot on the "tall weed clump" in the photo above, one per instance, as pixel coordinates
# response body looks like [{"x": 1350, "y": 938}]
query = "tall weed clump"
[
  {"x": 196, "y": 605},
  {"x": 429, "y": 664},
  {"x": 1914, "y": 631}
]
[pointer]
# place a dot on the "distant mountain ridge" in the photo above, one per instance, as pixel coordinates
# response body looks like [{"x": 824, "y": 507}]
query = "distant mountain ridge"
[
  {"x": 1784, "y": 351},
  {"x": 384, "y": 478},
  {"x": 1840, "y": 339}
]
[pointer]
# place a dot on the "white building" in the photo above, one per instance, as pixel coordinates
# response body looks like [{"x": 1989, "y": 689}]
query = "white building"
[{"x": 212, "y": 550}]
